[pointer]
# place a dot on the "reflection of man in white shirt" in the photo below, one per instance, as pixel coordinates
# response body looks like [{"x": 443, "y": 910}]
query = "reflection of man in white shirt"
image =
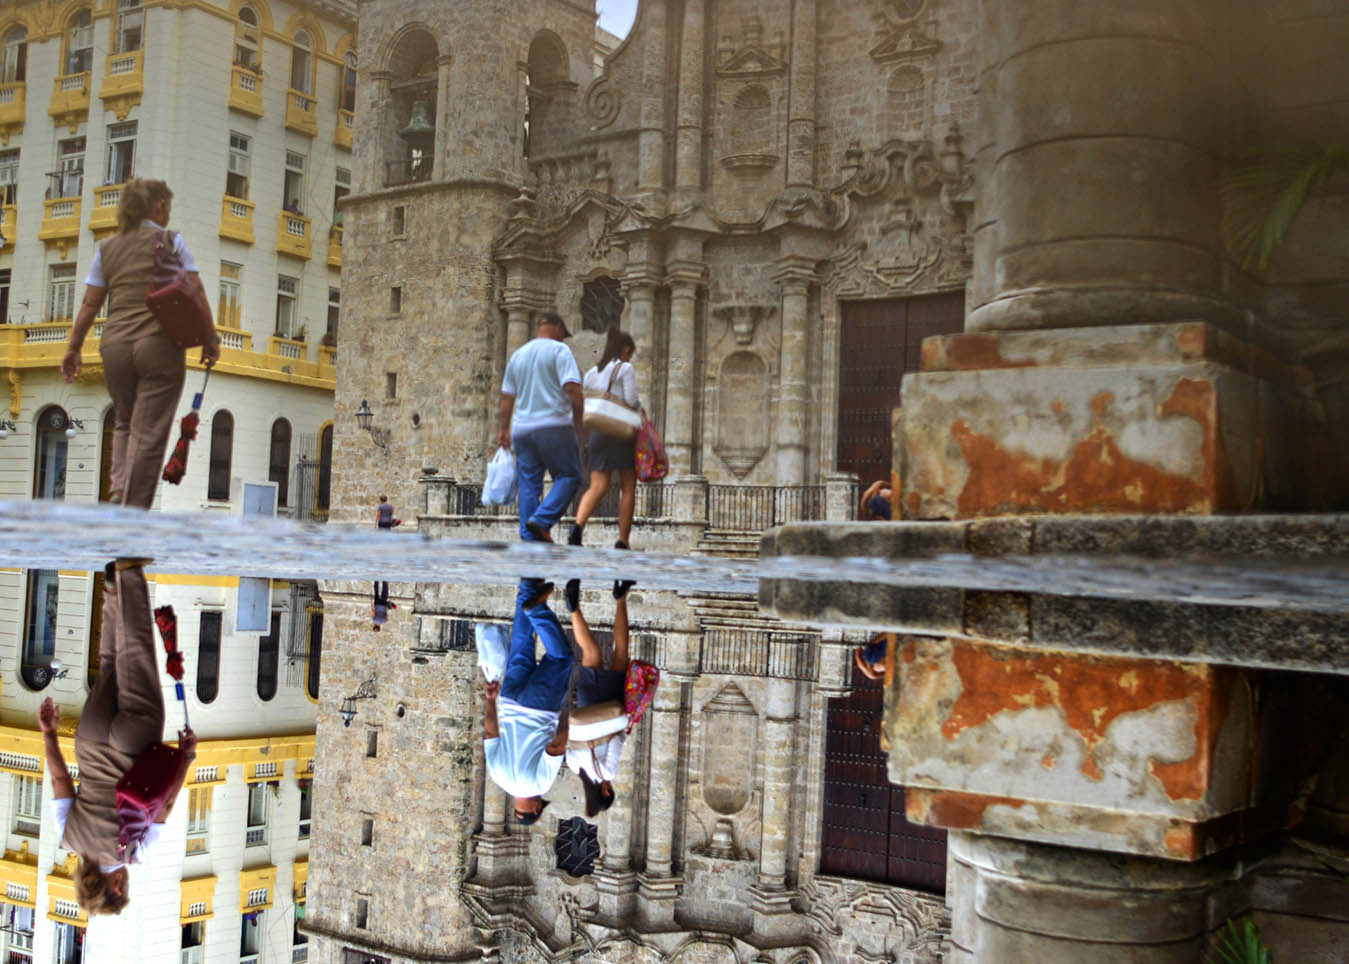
[{"x": 523, "y": 735}]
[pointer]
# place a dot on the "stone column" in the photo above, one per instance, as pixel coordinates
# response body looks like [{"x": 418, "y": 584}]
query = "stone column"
[
  {"x": 517, "y": 326},
  {"x": 689, "y": 120},
  {"x": 639, "y": 321},
  {"x": 439, "y": 160},
  {"x": 682, "y": 385},
  {"x": 658, "y": 885},
  {"x": 801, "y": 112},
  {"x": 651, "y": 134},
  {"x": 1140, "y": 240},
  {"x": 795, "y": 277}
]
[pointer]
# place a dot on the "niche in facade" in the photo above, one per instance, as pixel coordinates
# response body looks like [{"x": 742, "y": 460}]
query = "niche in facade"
[
  {"x": 409, "y": 126},
  {"x": 730, "y": 741},
  {"x": 551, "y": 94},
  {"x": 742, "y": 412},
  {"x": 905, "y": 103},
  {"x": 751, "y": 131}
]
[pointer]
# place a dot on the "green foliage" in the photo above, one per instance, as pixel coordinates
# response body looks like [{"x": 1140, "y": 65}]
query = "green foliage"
[
  {"x": 1264, "y": 190},
  {"x": 1240, "y": 946}
]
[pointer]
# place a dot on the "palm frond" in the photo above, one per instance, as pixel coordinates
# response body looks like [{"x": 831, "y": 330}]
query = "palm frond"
[
  {"x": 1264, "y": 190},
  {"x": 1240, "y": 946}
]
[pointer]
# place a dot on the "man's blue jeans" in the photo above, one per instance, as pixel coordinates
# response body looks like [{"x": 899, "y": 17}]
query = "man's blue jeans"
[
  {"x": 553, "y": 449},
  {"x": 542, "y": 685}
]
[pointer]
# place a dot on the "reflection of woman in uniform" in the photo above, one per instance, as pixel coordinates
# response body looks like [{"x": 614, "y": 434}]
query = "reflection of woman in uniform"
[
  {"x": 597, "y": 764},
  {"x": 143, "y": 369},
  {"x": 122, "y": 717}
]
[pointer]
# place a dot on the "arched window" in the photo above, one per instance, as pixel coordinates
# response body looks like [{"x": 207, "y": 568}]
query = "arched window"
[
  {"x": 752, "y": 133},
  {"x": 80, "y": 43},
  {"x": 905, "y": 102},
  {"x": 414, "y": 84},
  {"x": 39, "y": 627},
  {"x": 311, "y": 682},
  {"x": 269, "y": 648},
  {"x": 49, "y": 465},
  {"x": 247, "y": 40},
  {"x": 208, "y": 655},
  {"x": 348, "y": 102},
  {"x": 325, "y": 479},
  {"x": 222, "y": 450},
  {"x": 14, "y": 56},
  {"x": 601, "y": 304},
  {"x": 278, "y": 470},
  {"x": 301, "y": 63},
  {"x": 130, "y": 33}
]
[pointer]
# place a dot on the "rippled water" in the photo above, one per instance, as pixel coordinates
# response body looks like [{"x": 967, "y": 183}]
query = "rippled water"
[{"x": 56, "y": 535}]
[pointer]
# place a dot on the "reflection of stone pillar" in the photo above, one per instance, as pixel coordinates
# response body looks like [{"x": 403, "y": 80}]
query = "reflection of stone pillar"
[
  {"x": 779, "y": 763},
  {"x": 794, "y": 395},
  {"x": 441, "y": 117},
  {"x": 681, "y": 386},
  {"x": 658, "y": 886},
  {"x": 639, "y": 321},
  {"x": 801, "y": 119},
  {"x": 1140, "y": 241},
  {"x": 493, "y": 809},
  {"x": 689, "y": 122},
  {"x": 615, "y": 882}
]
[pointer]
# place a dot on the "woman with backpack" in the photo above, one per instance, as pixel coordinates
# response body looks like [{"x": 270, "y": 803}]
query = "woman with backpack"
[
  {"x": 613, "y": 376},
  {"x": 595, "y": 760}
]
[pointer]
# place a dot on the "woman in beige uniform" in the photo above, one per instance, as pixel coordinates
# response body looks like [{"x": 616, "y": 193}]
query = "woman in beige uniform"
[
  {"x": 143, "y": 369},
  {"x": 123, "y": 715}
]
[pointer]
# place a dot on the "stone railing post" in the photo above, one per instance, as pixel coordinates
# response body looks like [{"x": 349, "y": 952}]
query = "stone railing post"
[
  {"x": 436, "y": 494},
  {"x": 690, "y": 499},
  {"x": 840, "y": 496}
]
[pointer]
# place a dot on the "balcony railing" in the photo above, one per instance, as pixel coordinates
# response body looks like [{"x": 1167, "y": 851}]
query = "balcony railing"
[
  {"x": 235, "y": 338},
  {"x": 70, "y": 99},
  {"x": 103, "y": 218},
  {"x": 759, "y": 652},
  {"x": 123, "y": 81},
  {"x": 300, "y": 113},
  {"x": 346, "y": 120},
  {"x": 255, "y": 836},
  {"x": 753, "y": 508},
  {"x": 299, "y": 953},
  {"x": 407, "y": 171},
  {"x": 293, "y": 233},
  {"x": 245, "y": 90},
  {"x": 60, "y": 222},
  {"x": 284, "y": 347},
  {"x": 236, "y": 219},
  {"x": 12, "y": 104},
  {"x": 328, "y": 355},
  {"x": 248, "y": 959},
  {"x": 193, "y": 955},
  {"x": 9, "y": 221},
  {"x": 335, "y": 247}
]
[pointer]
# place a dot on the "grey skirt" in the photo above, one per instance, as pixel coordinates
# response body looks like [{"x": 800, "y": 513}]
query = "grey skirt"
[
  {"x": 605, "y": 454},
  {"x": 597, "y": 685}
]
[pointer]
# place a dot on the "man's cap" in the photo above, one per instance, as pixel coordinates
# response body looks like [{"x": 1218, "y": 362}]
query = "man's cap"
[{"x": 553, "y": 318}]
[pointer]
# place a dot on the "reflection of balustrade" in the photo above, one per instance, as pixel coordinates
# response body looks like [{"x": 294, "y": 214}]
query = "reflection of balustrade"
[
  {"x": 9, "y": 218},
  {"x": 293, "y": 234},
  {"x": 299, "y": 953},
  {"x": 342, "y": 134},
  {"x": 123, "y": 82},
  {"x": 335, "y": 247},
  {"x": 300, "y": 113},
  {"x": 103, "y": 218},
  {"x": 245, "y": 91},
  {"x": 236, "y": 219},
  {"x": 12, "y": 103},
  {"x": 70, "y": 99},
  {"x": 255, "y": 836}
]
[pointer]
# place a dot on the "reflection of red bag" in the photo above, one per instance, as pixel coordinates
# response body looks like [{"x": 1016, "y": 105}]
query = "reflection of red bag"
[
  {"x": 639, "y": 689},
  {"x": 652, "y": 466},
  {"x": 144, "y": 790}
]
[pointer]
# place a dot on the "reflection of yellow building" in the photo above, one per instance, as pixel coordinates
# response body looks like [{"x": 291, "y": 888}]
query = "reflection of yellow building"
[{"x": 98, "y": 82}]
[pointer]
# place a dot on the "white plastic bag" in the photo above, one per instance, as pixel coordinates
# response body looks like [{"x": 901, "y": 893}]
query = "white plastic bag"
[
  {"x": 493, "y": 644},
  {"x": 499, "y": 488}
]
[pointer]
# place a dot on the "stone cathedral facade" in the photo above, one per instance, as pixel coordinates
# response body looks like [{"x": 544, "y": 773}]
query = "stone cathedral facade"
[{"x": 781, "y": 200}]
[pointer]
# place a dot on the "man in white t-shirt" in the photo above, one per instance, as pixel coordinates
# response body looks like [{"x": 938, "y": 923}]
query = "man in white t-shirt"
[
  {"x": 524, "y": 735},
  {"x": 539, "y": 418}
]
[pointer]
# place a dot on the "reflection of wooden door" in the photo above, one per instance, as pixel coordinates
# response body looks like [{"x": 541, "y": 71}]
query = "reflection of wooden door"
[
  {"x": 865, "y": 833},
  {"x": 96, "y": 611},
  {"x": 881, "y": 341}
]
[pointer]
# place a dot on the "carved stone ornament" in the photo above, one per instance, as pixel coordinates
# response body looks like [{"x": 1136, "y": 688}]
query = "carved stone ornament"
[
  {"x": 916, "y": 927},
  {"x": 742, "y": 319},
  {"x": 601, "y": 103},
  {"x": 748, "y": 55},
  {"x": 900, "y": 36}
]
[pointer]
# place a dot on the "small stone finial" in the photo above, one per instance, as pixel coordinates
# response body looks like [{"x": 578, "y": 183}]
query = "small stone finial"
[
  {"x": 521, "y": 208},
  {"x": 753, "y": 30}
]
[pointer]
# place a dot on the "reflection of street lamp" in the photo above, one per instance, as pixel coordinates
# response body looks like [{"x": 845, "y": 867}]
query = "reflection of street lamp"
[
  {"x": 366, "y": 691},
  {"x": 58, "y": 671},
  {"x": 6, "y": 426}
]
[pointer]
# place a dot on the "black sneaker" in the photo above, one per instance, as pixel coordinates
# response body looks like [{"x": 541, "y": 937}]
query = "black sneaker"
[
  {"x": 540, "y": 595},
  {"x": 574, "y": 537},
  {"x": 621, "y": 587},
  {"x": 573, "y": 594},
  {"x": 620, "y": 544}
]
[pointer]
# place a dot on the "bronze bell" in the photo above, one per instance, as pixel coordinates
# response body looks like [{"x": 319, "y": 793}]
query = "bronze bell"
[{"x": 420, "y": 132}]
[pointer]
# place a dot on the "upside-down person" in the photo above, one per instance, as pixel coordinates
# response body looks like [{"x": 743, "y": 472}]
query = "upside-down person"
[{"x": 122, "y": 717}]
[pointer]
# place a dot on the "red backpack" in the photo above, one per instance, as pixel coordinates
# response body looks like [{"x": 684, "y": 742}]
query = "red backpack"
[{"x": 639, "y": 689}]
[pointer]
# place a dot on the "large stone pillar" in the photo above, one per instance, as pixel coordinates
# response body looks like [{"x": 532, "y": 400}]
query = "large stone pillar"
[
  {"x": 689, "y": 118},
  {"x": 517, "y": 326},
  {"x": 639, "y": 321},
  {"x": 1138, "y": 239},
  {"x": 685, "y": 277},
  {"x": 795, "y": 277},
  {"x": 651, "y": 135},
  {"x": 801, "y": 110}
]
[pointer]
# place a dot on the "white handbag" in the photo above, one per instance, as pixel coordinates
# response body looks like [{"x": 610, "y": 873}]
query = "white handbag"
[{"x": 609, "y": 415}]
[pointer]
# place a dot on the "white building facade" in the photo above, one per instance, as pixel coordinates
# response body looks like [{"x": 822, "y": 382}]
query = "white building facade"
[{"x": 245, "y": 109}]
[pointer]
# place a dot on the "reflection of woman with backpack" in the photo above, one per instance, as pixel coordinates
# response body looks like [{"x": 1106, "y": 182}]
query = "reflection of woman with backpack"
[
  {"x": 609, "y": 700},
  {"x": 612, "y": 415}
]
